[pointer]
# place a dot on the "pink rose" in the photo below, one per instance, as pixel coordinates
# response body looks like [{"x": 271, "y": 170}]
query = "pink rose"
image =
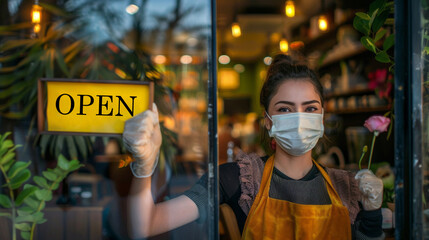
[{"x": 377, "y": 123}]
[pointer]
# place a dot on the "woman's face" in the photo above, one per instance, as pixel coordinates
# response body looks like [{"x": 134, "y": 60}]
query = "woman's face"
[{"x": 294, "y": 96}]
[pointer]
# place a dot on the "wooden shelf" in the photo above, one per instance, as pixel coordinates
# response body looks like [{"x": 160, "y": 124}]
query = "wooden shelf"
[
  {"x": 352, "y": 92},
  {"x": 342, "y": 56},
  {"x": 360, "y": 110}
]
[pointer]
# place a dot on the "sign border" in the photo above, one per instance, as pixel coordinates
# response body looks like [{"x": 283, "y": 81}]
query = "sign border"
[{"x": 41, "y": 93}]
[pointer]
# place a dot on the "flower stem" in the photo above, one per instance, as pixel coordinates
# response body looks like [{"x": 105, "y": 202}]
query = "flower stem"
[
  {"x": 364, "y": 150},
  {"x": 372, "y": 148}
]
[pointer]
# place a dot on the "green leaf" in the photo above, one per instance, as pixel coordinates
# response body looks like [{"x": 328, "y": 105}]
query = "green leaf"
[
  {"x": 7, "y": 144},
  {"x": 363, "y": 16},
  {"x": 19, "y": 179},
  {"x": 43, "y": 220},
  {"x": 63, "y": 163},
  {"x": 24, "y": 211},
  {"x": 74, "y": 165},
  {"x": 25, "y": 235},
  {"x": 380, "y": 34},
  {"x": 373, "y": 15},
  {"x": 16, "y": 26},
  {"x": 32, "y": 202},
  {"x": 50, "y": 175},
  {"x": 388, "y": 43},
  {"x": 60, "y": 172},
  {"x": 17, "y": 43},
  {"x": 5, "y": 159},
  {"x": 8, "y": 79},
  {"x": 44, "y": 143},
  {"x": 426, "y": 50},
  {"x": 361, "y": 25},
  {"x": 41, "y": 181},
  {"x": 382, "y": 57},
  {"x": 71, "y": 147},
  {"x": 29, "y": 218},
  {"x": 7, "y": 166},
  {"x": 379, "y": 20},
  {"x": 58, "y": 145},
  {"x": 43, "y": 194},
  {"x": 378, "y": 4},
  {"x": 61, "y": 63},
  {"x": 23, "y": 226},
  {"x": 55, "y": 185},
  {"x": 3, "y": 137},
  {"x": 25, "y": 194},
  {"x": 54, "y": 10},
  {"x": 16, "y": 168},
  {"x": 368, "y": 43},
  {"x": 81, "y": 146},
  {"x": 5, "y": 201},
  {"x": 5, "y": 214}
]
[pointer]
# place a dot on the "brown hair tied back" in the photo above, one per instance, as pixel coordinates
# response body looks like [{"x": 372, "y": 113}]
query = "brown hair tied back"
[{"x": 284, "y": 68}]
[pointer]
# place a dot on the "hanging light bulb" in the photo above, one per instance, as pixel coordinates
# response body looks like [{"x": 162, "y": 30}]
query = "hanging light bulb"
[
  {"x": 236, "y": 30},
  {"x": 284, "y": 45},
  {"x": 36, "y": 28},
  {"x": 36, "y": 14},
  {"x": 323, "y": 23},
  {"x": 290, "y": 8}
]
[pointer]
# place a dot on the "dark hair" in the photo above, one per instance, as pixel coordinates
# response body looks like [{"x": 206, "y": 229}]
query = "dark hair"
[{"x": 283, "y": 68}]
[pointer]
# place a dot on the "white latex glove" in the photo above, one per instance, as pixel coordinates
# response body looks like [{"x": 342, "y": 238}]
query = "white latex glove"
[
  {"x": 371, "y": 188},
  {"x": 142, "y": 138}
]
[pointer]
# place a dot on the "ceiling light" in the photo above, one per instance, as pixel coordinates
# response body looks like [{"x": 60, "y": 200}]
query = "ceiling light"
[
  {"x": 323, "y": 23},
  {"x": 236, "y": 30},
  {"x": 36, "y": 28},
  {"x": 239, "y": 68},
  {"x": 284, "y": 45},
  {"x": 132, "y": 9},
  {"x": 224, "y": 59},
  {"x": 290, "y": 8},
  {"x": 185, "y": 59},
  {"x": 160, "y": 59},
  {"x": 36, "y": 14}
]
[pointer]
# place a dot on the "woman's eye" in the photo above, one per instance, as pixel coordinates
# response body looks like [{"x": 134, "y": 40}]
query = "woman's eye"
[
  {"x": 284, "y": 109},
  {"x": 311, "y": 109}
]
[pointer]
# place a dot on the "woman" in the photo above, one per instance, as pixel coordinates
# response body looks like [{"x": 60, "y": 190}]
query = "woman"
[{"x": 288, "y": 195}]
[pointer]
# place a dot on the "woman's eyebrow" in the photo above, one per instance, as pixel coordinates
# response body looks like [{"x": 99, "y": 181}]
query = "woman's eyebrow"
[
  {"x": 293, "y": 104},
  {"x": 285, "y": 102},
  {"x": 310, "y": 102}
]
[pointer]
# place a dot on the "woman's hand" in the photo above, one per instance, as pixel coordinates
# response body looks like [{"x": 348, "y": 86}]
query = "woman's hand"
[
  {"x": 142, "y": 138},
  {"x": 371, "y": 188}
]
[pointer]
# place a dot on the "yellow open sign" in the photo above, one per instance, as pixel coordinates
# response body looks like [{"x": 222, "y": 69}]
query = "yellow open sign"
[{"x": 90, "y": 107}]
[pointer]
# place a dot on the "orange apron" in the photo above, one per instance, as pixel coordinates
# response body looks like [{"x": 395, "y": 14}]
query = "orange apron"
[{"x": 279, "y": 219}]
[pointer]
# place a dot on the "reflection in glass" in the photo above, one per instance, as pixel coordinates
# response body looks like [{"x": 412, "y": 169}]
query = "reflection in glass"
[{"x": 145, "y": 40}]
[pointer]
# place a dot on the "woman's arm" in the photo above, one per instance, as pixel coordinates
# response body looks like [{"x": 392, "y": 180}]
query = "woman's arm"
[
  {"x": 142, "y": 138},
  {"x": 148, "y": 219}
]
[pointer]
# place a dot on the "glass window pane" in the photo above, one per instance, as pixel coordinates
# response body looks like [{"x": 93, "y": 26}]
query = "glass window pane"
[{"x": 163, "y": 41}]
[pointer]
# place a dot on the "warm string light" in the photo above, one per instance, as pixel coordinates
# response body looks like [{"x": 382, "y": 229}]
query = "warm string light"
[
  {"x": 236, "y": 30},
  {"x": 36, "y": 14},
  {"x": 36, "y": 17},
  {"x": 323, "y": 23},
  {"x": 284, "y": 45},
  {"x": 290, "y": 8}
]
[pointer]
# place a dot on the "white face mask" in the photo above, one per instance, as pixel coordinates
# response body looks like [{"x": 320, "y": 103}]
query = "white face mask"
[{"x": 296, "y": 133}]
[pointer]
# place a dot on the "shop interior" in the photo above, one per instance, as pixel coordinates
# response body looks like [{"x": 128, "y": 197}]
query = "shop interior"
[
  {"x": 356, "y": 85},
  {"x": 174, "y": 54}
]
